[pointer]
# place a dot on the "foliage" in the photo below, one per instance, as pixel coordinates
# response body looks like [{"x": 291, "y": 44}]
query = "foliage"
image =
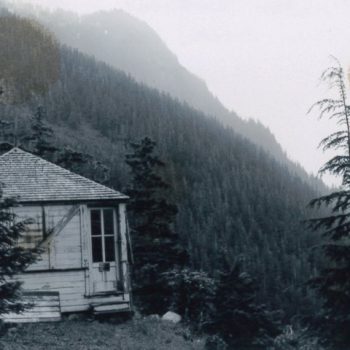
[
  {"x": 333, "y": 282},
  {"x": 157, "y": 247},
  {"x": 296, "y": 339},
  {"x": 239, "y": 319},
  {"x": 215, "y": 342},
  {"x": 192, "y": 295},
  {"x": 40, "y": 140},
  {"x": 31, "y": 65},
  {"x": 13, "y": 258}
]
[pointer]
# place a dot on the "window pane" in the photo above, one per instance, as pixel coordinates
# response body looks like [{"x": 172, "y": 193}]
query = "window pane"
[
  {"x": 97, "y": 249},
  {"x": 109, "y": 246},
  {"x": 96, "y": 222},
  {"x": 108, "y": 221}
]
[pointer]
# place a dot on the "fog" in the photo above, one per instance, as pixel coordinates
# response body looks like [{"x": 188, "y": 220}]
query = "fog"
[{"x": 262, "y": 59}]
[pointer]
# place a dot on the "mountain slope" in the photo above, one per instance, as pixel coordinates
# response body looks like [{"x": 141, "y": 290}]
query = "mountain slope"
[
  {"x": 131, "y": 45},
  {"x": 233, "y": 198}
]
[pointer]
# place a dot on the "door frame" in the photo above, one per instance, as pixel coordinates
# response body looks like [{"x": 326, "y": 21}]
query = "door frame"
[{"x": 92, "y": 265}]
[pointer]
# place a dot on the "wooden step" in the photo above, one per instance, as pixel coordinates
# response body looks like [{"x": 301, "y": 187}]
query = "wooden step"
[
  {"x": 44, "y": 307},
  {"x": 97, "y": 299},
  {"x": 110, "y": 308}
]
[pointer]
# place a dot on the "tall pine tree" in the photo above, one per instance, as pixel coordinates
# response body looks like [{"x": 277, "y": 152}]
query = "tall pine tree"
[
  {"x": 333, "y": 282},
  {"x": 157, "y": 247}
]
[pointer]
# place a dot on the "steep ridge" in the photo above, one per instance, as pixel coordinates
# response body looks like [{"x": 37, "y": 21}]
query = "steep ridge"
[{"x": 129, "y": 44}]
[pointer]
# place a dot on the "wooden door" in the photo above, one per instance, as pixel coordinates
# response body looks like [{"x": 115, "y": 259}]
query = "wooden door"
[{"x": 103, "y": 243}]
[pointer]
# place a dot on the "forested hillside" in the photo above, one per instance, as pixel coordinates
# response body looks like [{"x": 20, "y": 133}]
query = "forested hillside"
[
  {"x": 130, "y": 45},
  {"x": 233, "y": 198}
]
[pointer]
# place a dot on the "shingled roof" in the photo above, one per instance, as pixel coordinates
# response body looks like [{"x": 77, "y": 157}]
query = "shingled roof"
[{"x": 32, "y": 179}]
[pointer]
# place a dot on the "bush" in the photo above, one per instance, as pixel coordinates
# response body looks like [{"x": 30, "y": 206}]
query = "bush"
[
  {"x": 296, "y": 339},
  {"x": 239, "y": 319},
  {"x": 191, "y": 294},
  {"x": 214, "y": 342}
]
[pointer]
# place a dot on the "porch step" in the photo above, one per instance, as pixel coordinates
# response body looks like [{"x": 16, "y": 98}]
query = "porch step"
[
  {"x": 115, "y": 299},
  {"x": 110, "y": 308},
  {"x": 45, "y": 307}
]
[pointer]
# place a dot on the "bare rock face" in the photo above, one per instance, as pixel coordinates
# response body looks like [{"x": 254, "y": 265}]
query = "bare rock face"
[{"x": 172, "y": 317}]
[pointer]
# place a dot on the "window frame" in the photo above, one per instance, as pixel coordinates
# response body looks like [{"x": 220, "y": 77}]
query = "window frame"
[{"x": 102, "y": 236}]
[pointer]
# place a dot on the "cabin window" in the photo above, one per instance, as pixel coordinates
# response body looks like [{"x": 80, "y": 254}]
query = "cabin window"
[{"x": 102, "y": 235}]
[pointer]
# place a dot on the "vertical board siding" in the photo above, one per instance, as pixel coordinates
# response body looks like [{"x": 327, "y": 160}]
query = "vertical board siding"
[
  {"x": 65, "y": 250},
  {"x": 33, "y": 214},
  {"x": 33, "y": 234},
  {"x": 65, "y": 261}
]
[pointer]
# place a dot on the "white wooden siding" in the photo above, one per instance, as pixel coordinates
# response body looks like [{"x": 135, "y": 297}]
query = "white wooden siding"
[
  {"x": 70, "y": 285},
  {"x": 64, "y": 264},
  {"x": 65, "y": 250}
]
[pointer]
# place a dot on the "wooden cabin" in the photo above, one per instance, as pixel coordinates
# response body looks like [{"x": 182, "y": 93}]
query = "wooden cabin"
[{"x": 81, "y": 226}]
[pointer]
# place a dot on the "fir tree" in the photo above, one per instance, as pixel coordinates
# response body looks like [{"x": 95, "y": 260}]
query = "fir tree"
[
  {"x": 40, "y": 141},
  {"x": 157, "y": 247},
  {"x": 13, "y": 258},
  {"x": 238, "y": 319},
  {"x": 40, "y": 138},
  {"x": 333, "y": 282}
]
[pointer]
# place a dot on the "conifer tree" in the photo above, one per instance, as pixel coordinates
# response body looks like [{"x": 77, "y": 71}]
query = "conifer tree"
[
  {"x": 13, "y": 258},
  {"x": 157, "y": 247},
  {"x": 239, "y": 319},
  {"x": 40, "y": 141},
  {"x": 333, "y": 282},
  {"x": 40, "y": 137}
]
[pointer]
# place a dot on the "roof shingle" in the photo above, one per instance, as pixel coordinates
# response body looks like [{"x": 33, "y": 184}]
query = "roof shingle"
[{"x": 30, "y": 179}]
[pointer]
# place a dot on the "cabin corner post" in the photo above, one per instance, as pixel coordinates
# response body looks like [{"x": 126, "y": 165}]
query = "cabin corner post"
[
  {"x": 124, "y": 261},
  {"x": 84, "y": 238}
]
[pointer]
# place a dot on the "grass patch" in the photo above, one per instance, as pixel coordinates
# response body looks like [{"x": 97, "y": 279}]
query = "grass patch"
[{"x": 143, "y": 334}]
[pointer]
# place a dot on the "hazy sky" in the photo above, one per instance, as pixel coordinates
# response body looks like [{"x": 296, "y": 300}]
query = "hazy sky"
[{"x": 262, "y": 58}]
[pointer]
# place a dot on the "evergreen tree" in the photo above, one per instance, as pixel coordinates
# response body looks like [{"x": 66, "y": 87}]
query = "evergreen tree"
[
  {"x": 157, "y": 248},
  {"x": 40, "y": 139},
  {"x": 333, "y": 282},
  {"x": 238, "y": 319},
  {"x": 13, "y": 258},
  {"x": 192, "y": 295}
]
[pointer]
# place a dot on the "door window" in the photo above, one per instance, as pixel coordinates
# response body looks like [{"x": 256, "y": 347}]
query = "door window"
[{"x": 102, "y": 235}]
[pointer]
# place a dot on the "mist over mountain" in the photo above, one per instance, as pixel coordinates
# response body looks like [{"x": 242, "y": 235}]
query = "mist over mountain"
[{"x": 130, "y": 45}]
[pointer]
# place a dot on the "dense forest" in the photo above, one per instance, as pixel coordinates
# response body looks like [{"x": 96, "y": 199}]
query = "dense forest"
[
  {"x": 129, "y": 44},
  {"x": 233, "y": 198}
]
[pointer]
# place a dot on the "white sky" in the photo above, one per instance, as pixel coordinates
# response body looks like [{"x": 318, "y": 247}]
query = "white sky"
[{"x": 262, "y": 58}]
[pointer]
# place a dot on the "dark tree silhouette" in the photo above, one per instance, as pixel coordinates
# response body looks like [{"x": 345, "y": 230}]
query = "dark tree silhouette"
[
  {"x": 13, "y": 258},
  {"x": 333, "y": 283},
  {"x": 157, "y": 247},
  {"x": 239, "y": 319}
]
